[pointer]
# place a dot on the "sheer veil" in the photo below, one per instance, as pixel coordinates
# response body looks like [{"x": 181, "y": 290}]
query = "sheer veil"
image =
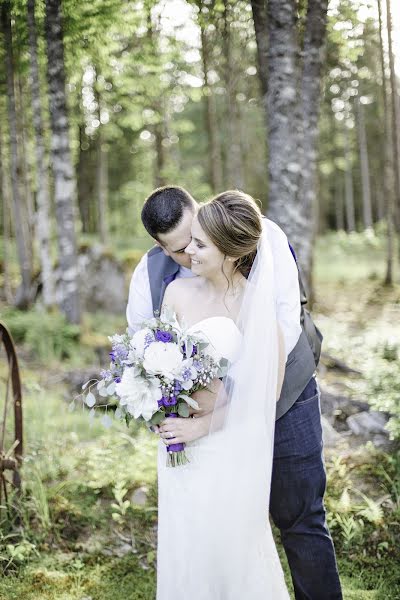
[{"x": 236, "y": 488}]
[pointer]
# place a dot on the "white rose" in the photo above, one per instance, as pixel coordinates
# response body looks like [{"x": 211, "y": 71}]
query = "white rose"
[
  {"x": 139, "y": 395},
  {"x": 162, "y": 359},
  {"x": 140, "y": 340}
]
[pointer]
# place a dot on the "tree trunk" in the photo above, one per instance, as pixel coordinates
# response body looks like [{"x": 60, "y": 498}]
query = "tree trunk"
[
  {"x": 23, "y": 298},
  {"x": 102, "y": 188},
  {"x": 388, "y": 180},
  {"x": 310, "y": 96},
  {"x": 25, "y": 182},
  {"x": 159, "y": 148},
  {"x": 349, "y": 193},
  {"x": 364, "y": 163},
  {"x": 283, "y": 165},
  {"x": 214, "y": 149},
  {"x": 395, "y": 115},
  {"x": 5, "y": 195},
  {"x": 259, "y": 8},
  {"x": 64, "y": 177},
  {"x": 339, "y": 214},
  {"x": 43, "y": 227},
  {"x": 84, "y": 180},
  {"x": 234, "y": 166}
]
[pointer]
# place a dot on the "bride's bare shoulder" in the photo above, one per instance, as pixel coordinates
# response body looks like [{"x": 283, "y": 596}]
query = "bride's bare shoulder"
[{"x": 178, "y": 288}]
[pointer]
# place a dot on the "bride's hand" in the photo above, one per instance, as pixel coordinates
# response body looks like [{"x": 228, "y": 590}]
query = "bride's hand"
[{"x": 181, "y": 431}]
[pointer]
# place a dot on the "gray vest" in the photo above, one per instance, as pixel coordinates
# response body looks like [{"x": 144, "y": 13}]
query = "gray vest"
[{"x": 301, "y": 361}]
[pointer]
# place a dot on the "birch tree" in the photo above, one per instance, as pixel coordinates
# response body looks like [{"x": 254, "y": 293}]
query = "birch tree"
[
  {"x": 294, "y": 77},
  {"x": 63, "y": 172},
  {"x": 43, "y": 228}
]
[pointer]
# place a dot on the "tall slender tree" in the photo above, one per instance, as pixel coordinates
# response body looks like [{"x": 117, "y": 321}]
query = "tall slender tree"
[
  {"x": 210, "y": 109},
  {"x": 348, "y": 183},
  {"x": 364, "y": 164},
  {"x": 63, "y": 172},
  {"x": 388, "y": 181},
  {"x": 23, "y": 298},
  {"x": 43, "y": 228},
  {"x": 5, "y": 196},
  {"x": 395, "y": 114},
  {"x": 259, "y": 8},
  {"x": 234, "y": 166}
]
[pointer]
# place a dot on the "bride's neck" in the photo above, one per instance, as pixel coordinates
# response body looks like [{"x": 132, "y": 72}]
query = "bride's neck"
[{"x": 221, "y": 285}]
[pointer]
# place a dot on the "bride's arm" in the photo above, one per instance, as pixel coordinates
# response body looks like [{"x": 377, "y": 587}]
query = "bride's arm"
[{"x": 187, "y": 430}]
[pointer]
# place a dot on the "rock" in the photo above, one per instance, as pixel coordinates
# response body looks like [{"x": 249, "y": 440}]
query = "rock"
[
  {"x": 367, "y": 422},
  {"x": 329, "y": 435},
  {"x": 102, "y": 281},
  {"x": 102, "y": 284},
  {"x": 139, "y": 496},
  {"x": 122, "y": 550}
]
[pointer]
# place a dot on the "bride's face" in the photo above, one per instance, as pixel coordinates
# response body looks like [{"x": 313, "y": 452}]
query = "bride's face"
[{"x": 205, "y": 257}]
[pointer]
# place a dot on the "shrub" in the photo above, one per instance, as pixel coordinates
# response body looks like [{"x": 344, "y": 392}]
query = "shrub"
[{"x": 47, "y": 335}]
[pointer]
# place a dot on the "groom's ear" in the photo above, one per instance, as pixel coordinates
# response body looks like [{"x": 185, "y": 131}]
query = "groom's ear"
[{"x": 157, "y": 243}]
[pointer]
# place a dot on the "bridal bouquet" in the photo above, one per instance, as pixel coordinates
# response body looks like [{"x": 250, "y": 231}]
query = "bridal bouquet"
[{"x": 154, "y": 372}]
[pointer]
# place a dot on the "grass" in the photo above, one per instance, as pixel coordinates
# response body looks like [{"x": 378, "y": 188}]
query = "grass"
[{"x": 77, "y": 538}]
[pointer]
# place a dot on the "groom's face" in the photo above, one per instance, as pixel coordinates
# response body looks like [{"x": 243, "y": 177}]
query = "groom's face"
[{"x": 175, "y": 241}]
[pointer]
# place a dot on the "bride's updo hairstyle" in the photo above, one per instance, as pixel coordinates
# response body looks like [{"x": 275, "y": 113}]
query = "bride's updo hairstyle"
[{"x": 233, "y": 222}]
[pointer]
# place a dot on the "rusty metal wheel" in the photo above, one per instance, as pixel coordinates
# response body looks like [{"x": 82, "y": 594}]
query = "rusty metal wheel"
[{"x": 11, "y": 440}]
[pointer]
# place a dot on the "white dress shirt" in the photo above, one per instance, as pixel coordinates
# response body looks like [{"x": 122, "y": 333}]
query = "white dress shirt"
[{"x": 140, "y": 305}]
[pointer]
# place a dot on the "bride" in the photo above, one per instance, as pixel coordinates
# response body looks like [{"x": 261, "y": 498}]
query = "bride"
[{"x": 214, "y": 536}]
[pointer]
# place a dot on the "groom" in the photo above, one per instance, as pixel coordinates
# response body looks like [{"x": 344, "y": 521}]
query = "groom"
[{"x": 298, "y": 477}]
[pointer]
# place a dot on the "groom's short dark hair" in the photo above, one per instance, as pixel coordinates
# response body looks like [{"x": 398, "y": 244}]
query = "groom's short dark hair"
[{"x": 163, "y": 209}]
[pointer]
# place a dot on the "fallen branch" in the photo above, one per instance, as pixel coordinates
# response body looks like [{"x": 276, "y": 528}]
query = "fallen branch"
[{"x": 334, "y": 363}]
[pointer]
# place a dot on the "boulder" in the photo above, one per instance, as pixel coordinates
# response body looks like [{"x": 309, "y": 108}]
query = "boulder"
[
  {"x": 329, "y": 435},
  {"x": 367, "y": 423},
  {"x": 102, "y": 281}
]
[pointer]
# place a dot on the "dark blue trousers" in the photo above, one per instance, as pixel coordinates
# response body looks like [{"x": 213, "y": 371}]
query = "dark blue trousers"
[{"x": 297, "y": 492}]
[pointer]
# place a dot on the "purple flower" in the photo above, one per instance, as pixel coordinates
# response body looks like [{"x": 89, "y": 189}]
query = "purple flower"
[
  {"x": 177, "y": 387},
  {"x": 186, "y": 374},
  {"x": 117, "y": 380},
  {"x": 120, "y": 352},
  {"x": 107, "y": 375},
  {"x": 163, "y": 336},
  {"x": 198, "y": 365},
  {"x": 194, "y": 351},
  {"x": 149, "y": 339},
  {"x": 169, "y": 401}
]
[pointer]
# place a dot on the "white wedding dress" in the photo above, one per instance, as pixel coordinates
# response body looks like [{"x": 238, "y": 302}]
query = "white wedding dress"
[{"x": 200, "y": 556}]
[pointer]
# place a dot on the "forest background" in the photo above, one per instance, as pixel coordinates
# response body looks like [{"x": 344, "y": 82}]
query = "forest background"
[{"x": 297, "y": 103}]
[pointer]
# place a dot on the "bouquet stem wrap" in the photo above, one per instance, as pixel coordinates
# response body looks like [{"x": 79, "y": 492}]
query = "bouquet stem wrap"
[{"x": 176, "y": 452}]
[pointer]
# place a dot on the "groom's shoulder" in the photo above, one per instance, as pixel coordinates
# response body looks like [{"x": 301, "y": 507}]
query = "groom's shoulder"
[{"x": 154, "y": 252}]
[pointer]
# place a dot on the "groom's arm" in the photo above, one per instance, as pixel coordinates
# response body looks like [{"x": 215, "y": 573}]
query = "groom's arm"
[{"x": 140, "y": 306}]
